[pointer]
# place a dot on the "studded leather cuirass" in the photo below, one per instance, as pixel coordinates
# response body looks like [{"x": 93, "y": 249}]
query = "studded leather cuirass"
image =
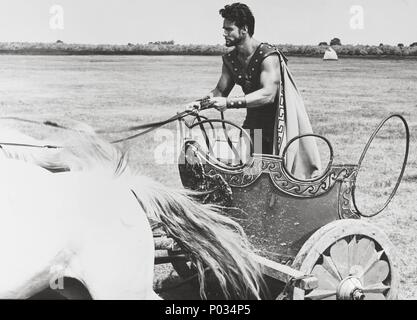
[{"x": 249, "y": 79}]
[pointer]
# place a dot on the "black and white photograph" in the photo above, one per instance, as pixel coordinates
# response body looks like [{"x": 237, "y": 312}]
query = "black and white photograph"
[{"x": 208, "y": 150}]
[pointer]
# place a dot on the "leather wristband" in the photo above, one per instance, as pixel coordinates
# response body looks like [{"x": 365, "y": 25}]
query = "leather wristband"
[
  {"x": 236, "y": 102},
  {"x": 204, "y": 99}
]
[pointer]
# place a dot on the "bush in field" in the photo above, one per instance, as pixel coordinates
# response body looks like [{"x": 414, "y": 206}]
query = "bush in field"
[
  {"x": 405, "y": 51},
  {"x": 375, "y": 51},
  {"x": 393, "y": 50},
  {"x": 413, "y": 51},
  {"x": 400, "y": 45},
  {"x": 360, "y": 50},
  {"x": 323, "y": 44},
  {"x": 414, "y": 44},
  {"x": 344, "y": 50},
  {"x": 363, "y": 52},
  {"x": 335, "y": 42}
]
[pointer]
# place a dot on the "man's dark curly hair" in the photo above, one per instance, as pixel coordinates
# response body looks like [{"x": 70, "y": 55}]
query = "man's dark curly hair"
[{"x": 240, "y": 14}]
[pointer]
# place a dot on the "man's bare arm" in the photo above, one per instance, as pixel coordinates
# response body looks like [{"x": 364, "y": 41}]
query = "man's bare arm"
[
  {"x": 222, "y": 89},
  {"x": 269, "y": 79},
  {"x": 225, "y": 84}
]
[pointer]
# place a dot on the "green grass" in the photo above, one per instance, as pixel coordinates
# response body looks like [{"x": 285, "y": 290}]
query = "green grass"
[{"x": 345, "y": 99}]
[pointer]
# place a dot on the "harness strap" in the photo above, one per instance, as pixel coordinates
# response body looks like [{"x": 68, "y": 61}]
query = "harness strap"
[
  {"x": 46, "y": 146},
  {"x": 149, "y": 126}
]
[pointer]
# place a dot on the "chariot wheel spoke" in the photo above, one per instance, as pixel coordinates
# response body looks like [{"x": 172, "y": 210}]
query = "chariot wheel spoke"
[
  {"x": 376, "y": 256},
  {"x": 339, "y": 255},
  {"x": 325, "y": 279},
  {"x": 329, "y": 265},
  {"x": 352, "y": 252},
  {"x": 321, "y": 294},
  {"x": 367, "y": 253},
  {"x": 366, "y": 249},
  {"x": 377, "y": 273}
]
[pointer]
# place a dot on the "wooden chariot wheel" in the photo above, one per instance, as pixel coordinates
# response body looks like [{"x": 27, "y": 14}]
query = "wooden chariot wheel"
[{"x": 352, "y": 260}]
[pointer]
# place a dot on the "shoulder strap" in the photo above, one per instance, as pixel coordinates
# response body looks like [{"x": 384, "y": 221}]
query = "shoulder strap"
[
  {"x": 228, "y": 59},
  {"x": 263, "y": 51},
  {"x": 267, "y": 49}
]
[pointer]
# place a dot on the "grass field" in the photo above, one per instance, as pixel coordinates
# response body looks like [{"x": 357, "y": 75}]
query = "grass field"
[{"x": 345, "y": 100}]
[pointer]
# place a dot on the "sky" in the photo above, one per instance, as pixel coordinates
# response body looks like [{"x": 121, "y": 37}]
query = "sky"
[{"x": 198, "y": 22}]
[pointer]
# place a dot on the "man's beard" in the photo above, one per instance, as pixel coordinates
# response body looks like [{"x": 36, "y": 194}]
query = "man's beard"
[{"x": 233, "y": 43}]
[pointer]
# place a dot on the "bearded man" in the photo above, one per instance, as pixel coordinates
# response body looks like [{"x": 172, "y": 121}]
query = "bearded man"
[{"x": 272, "y": 101}]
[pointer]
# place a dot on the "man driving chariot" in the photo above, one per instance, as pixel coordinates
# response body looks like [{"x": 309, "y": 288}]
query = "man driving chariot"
[{"x": 272, "y": 101}]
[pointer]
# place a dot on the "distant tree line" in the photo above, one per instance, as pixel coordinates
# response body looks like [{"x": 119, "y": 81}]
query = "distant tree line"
[{"x": 170, "y": 48}]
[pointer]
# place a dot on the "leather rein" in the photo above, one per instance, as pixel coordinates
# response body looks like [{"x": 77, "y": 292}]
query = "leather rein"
[{"x": 147, "y": 127}]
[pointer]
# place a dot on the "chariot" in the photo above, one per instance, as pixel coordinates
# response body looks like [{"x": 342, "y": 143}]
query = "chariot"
[
  {"x": 308, "y": 233},
  {"x": 311, "y": 240}
]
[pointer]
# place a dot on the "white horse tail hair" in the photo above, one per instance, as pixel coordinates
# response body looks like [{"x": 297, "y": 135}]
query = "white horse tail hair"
[{"x": 212, "y": 239}]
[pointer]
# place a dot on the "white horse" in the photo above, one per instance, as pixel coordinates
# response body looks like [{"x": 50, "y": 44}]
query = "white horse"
[{"x": 91, "y": 224}]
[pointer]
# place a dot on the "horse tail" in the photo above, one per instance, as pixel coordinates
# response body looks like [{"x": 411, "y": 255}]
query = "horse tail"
[{"x": 212, "y": 239}]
